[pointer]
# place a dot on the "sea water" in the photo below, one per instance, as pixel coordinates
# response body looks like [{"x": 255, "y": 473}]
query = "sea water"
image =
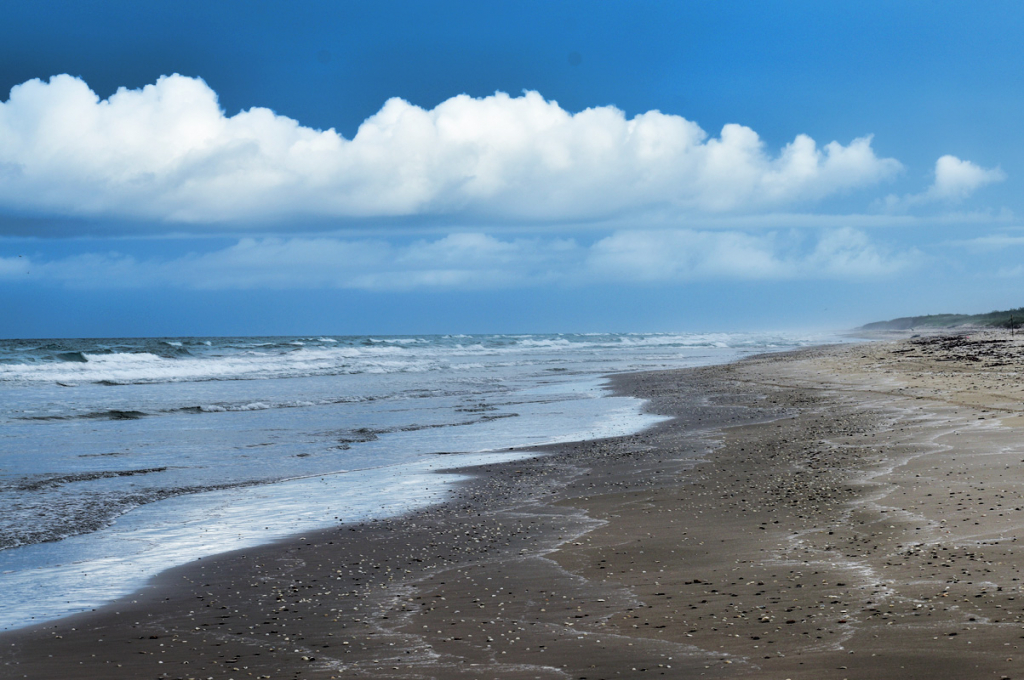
[{"x": 122, "y": 457}]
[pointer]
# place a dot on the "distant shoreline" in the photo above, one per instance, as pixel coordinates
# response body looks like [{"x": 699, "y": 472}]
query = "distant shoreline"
[{"x": 997, "y": 319}]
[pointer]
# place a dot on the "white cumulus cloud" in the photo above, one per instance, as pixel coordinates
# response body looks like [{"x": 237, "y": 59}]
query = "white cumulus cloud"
[
  {"x": 955, "y": 180},
  {"x": 168, "y": 153}
]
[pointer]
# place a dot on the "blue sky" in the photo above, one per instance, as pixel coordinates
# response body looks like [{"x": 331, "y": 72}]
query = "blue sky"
[{"x": 286, "y": 168}]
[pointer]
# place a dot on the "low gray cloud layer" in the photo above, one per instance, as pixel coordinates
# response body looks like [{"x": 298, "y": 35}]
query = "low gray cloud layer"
[{"x": 474, "y": 261}]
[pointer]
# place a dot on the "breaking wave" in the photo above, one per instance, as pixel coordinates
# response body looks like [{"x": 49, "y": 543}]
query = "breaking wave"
[{"x": 129, "y": 361}]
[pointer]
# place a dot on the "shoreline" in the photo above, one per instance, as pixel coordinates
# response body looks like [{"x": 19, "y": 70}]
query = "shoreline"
[{"x": 674, "y": 551}]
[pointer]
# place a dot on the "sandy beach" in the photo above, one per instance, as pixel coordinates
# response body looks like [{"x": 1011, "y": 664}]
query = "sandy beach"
[{"x": 839, "y": 512}]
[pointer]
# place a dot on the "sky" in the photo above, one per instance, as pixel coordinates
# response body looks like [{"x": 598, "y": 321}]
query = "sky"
[{"x": 253, "y": 168}]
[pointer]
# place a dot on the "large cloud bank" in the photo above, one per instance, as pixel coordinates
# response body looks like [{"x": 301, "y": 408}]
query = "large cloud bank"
[{"x": 168, "y": 152}]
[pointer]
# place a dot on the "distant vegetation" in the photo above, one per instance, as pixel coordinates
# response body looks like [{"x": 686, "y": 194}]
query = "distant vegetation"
[{"x": 992, "y": 320}]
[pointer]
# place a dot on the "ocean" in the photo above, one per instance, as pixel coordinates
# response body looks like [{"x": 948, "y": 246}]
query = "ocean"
[{"x": 120, "y": 458}]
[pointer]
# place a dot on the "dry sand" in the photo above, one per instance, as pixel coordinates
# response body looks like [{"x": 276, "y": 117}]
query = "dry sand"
[{"x": 846, "y": 512}]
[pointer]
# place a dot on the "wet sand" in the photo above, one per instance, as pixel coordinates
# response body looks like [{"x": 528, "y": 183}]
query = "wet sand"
[{"x": 846, "y": 512}]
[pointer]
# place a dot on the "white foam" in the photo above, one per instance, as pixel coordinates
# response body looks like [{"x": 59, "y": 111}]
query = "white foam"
[
  {"x": 293, "y": 358},
  {"x": 51, "y": 580}
]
